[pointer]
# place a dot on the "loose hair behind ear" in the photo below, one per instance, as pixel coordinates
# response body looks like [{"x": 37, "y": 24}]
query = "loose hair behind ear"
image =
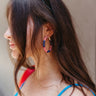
[{"x": 64, "y": 40}]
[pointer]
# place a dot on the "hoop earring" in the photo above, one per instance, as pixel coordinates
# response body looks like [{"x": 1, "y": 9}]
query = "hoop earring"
[{"x": 50, "y": 48}]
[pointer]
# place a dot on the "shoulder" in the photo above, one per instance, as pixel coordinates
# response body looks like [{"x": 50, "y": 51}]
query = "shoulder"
[{"x": 77, "y": 92}]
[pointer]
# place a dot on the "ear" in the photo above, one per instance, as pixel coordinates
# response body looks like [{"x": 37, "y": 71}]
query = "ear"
[{"x": 47, "y": 30}]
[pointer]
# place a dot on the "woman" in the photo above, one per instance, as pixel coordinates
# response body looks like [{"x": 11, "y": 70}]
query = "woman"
[{"x": 43, "y": 30}]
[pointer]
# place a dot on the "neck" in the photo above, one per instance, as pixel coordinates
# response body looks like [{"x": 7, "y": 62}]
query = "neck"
[{"x": 48, "y": 69}]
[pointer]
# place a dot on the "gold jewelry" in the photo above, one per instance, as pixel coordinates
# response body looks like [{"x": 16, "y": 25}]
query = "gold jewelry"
[{"x": 49, "y": 38}]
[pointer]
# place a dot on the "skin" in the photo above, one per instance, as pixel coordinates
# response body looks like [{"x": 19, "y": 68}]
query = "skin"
[{"x": 48, "y": 73}]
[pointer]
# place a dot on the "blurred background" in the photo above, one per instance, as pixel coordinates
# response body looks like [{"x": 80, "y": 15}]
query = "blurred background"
[{"x": 84, "y": 17}]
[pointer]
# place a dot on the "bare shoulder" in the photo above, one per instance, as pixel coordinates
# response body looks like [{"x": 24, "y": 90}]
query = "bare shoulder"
[{"x": 77, "y": 92}]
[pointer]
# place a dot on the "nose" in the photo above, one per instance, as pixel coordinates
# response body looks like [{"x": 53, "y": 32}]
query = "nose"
[{"x": 7, "y": 34}]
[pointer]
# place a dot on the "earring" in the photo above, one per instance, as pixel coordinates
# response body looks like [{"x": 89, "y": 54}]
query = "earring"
[
  {"x": 49, "y": 38},
  {"x": 50, "y": 48}
]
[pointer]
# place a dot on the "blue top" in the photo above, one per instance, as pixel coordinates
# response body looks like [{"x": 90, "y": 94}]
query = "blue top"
[{"x": 62, "y": 90}]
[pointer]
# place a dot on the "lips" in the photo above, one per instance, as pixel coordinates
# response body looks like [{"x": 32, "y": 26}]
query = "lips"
[{"x": 12, "y": 45}]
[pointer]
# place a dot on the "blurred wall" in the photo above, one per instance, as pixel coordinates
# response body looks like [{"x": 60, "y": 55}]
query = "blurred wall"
[
  {"x": 84, "y": 17},
  {"x": 6, "y": 68}
]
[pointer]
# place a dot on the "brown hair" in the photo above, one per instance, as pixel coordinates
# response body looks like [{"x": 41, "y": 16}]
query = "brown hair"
[{"x": 64, "y": 40}]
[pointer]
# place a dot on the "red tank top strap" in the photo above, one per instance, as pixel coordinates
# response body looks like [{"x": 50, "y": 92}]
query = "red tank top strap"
[{"x": 25, "y": 75}]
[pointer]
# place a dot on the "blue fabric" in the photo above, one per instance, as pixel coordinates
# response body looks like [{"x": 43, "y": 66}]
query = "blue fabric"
[
  {"x": 62, "y": 90},
  {"x": 20, "y": 89}
]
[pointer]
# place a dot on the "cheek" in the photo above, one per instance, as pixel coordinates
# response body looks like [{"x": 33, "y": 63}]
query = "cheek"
[
  {"x": 28, "y": 48},
  {"x": 28, "y": 45},
  {"x": 39, "y": 44}
]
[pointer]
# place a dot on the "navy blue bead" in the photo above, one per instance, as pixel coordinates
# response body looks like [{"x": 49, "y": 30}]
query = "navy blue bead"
[
  {"x": 48, "y": 51},
  {"x": 44, "y": 43}
]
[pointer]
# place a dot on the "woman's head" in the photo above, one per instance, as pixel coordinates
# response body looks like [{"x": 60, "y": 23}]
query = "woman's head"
[
  {"x": 26, "y": 21},
  {"x": 31, "y": 20}
]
